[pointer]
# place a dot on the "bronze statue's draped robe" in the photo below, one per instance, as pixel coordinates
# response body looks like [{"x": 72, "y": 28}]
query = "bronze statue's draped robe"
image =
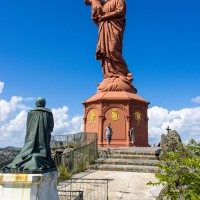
[{"x": 36, "y": 153}]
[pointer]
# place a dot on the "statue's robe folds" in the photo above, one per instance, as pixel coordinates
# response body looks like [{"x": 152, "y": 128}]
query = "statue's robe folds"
[
  {"x": 109, "y": 48},
  {"x": 36, "y": 153}
]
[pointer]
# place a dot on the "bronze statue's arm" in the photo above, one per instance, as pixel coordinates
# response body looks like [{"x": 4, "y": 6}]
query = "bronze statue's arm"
[
  {"x": 88, "y": 2},
  {"x": 119, "y": 12}
]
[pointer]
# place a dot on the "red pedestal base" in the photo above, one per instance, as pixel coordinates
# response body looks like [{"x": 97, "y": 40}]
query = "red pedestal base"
[{"x": 123, "y": 110}]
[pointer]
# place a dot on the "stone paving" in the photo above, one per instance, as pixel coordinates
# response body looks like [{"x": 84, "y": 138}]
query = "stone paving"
[{"x": 126, "y": 185}]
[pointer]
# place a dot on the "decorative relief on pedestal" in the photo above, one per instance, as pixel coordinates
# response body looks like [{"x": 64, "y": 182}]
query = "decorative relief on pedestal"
[
  {"x": 92, "y": 107},
  {"x": 138, "y": 117},
  {"x": 107, "y": 107},
  {"x": 115, "y": 115},
  {"x": 92, "y": 116}
]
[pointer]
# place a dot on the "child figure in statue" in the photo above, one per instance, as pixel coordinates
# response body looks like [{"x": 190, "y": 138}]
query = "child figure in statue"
[{"x": 96, "y": 9}]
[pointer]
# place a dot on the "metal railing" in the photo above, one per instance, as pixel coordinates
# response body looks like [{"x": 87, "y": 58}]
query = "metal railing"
[
  {"x": 70, "y": 195},
  {"x": 92, "y": 189},
  {"x": 72, "y": 140},
  {"x": 79, "y": 159},
  {"x": 74, "y": 152}
]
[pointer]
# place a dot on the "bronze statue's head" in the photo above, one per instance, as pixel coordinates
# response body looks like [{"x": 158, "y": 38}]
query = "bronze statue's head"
[{"x": 40, "y": 102}]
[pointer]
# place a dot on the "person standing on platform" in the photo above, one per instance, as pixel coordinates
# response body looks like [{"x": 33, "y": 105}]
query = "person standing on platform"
[
  {"x": 108, "y": 132},
  {"x": 132, "y": 135}
]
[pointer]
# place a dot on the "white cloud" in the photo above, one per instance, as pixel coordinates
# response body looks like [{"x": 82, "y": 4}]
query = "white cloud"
[
  {"x": 1, "y": 87},
  {"x": 13, "y": 116},
  {"x": 8, "y": 108},
  {"x": 13, "y": 131},
  {"x": 65, "y": 125},
  {"x": 196, "y": 99},
  {"x": 12, "y": 121},
  {"x": 186, "y": 122}
]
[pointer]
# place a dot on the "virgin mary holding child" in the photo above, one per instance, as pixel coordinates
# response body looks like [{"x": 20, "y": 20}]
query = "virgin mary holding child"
[{"x": 109, "y": 15}]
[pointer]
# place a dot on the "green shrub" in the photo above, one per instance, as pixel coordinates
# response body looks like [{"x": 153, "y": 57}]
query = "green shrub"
[
  {"x": 72, "y": 146},
  {"x": 180, "y": 173},
  {"x": 91, "y": 161},
  {"x": 81, "y": 166},
  {"x": 64, "y": 174}
]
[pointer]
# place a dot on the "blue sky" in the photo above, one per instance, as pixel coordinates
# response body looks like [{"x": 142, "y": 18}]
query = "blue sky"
[{"x": 47, "y": 48}]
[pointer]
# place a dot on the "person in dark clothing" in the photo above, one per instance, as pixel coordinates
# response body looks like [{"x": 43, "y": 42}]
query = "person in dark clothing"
[{"x": 132, "y": 135}]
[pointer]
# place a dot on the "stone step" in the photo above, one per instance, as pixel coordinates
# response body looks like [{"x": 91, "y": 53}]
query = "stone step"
[
  {"x": 138, "y": 157},
  {"x": 127, "y": 162},
  {"x": 131, "y": 152},
  {"x": 125, "y": 168}
]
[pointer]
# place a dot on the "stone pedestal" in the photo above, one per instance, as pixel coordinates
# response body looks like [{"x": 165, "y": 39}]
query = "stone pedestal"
[
  {"x": 29, "y": 186},
  {"x": 123, "y": 110}
]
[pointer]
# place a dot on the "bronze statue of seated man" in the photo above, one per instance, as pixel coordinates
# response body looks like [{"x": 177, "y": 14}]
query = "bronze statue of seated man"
[{"x": 35, "y": 156}]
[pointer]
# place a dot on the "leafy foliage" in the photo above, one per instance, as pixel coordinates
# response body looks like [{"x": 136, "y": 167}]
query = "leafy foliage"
[
  {"x": 64, "y": 174},
  {"x": 180, "y": 173},
  {"x": 73, "y": 146},
  {"x": 81, "y": 166}
]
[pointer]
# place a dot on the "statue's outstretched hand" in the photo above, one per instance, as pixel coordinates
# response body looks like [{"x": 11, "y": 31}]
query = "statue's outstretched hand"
[{"x": 88, "y": 2}]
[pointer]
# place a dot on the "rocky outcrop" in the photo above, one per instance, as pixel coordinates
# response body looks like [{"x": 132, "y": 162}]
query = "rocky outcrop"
[{"x": 170, "y": 142}]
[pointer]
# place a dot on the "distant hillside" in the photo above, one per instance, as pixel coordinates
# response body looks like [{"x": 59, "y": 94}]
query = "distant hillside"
[
  {"x": 9, "y": 148},
  {"x": 7, "y": 155}
]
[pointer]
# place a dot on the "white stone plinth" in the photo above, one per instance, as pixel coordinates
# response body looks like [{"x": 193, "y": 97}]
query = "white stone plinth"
[{"x": 29, "y": 186}]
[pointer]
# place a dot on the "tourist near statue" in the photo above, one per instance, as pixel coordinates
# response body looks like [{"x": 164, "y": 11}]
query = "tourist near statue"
[
  {"x": 35, "y": 155},
  {"x": 131, "y": 134},
  {"x": 108, "y": 133},
  {"x": 109, "y": 15}
]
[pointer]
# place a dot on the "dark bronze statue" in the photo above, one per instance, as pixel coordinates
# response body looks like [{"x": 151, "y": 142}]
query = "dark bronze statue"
[{"x": 35, "y": 156}]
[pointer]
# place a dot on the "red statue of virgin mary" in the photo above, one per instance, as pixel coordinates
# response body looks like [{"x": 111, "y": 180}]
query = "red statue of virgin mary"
[{"x": 109, "y": 15}]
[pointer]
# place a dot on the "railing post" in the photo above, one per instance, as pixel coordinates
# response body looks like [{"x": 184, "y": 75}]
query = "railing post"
[{"x": 107, "y": 189}]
